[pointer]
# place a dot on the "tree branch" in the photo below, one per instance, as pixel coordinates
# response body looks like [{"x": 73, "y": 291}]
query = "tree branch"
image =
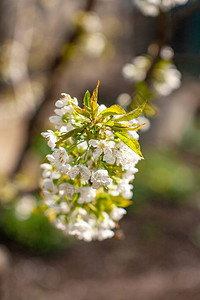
[{"x": 59, "y": 59}]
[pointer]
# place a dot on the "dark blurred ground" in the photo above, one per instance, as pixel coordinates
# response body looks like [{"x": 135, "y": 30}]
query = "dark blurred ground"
[{"x": 157, "y": 259}]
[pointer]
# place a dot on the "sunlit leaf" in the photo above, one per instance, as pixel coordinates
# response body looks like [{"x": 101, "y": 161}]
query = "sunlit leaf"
[
  {"x": 129, "y": 141},
  {"x": 77, "y": 109},
  {"x": 132, "y": 114},
  {"x": 69, "y": 134},
  {"x": 81, "y": 111},
  {"x": 113, "y": 110},
  {"x": 120, "y": 201},
  {"x": 118, "y": 126},
  {"x": 94, "y": 98},
  {"x": 86, "y": 100},
  {"x": 110, "y": 123},
  {"x": 104, "y": 202}
]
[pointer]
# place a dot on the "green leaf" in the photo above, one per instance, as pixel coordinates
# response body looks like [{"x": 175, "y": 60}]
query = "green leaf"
[
  {"x": 120, "y": 201},
  {"x": 132, "y": 114},
  {"x": 143, "y": 92},
  {"x": 86, "y": 100},
  {"x": 77, "y": 109},
  {"x": 93, "y": 99},
  {"x": 69, "y": 134},
  {"x": 122, "y": 127},
  {"x": 110, "y": 123},
  {"x": 129, "y": 141},
  {"x": 81, "y": 111},
  {"x": 113, "y": 110},
  {"x": 103, "y": 202}
]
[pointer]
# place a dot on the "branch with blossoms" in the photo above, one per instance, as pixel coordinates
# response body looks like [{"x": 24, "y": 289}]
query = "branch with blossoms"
[
  {"x": 87, "y": 179},
  {"x": 155, "y": 74}
]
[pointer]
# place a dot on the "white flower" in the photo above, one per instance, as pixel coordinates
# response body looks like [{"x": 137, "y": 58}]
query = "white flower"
[
  {"x": 136, "y": 70},
  {"x": 66, "y": 190},
  {"x": 60, "y": 158},
  {"x": 58, "y": 121},
  {"x": 125, "y": 156},
  {"x": 103, "y": 146},
  {"x": 60, "y": 225},
  {"x": 82, "y": 145},
  {"x": 105, "y": 234},
  {"x": 124, "y": 100},
  {"x": 167, "y": 79},
  {"x": 124, "y": 188},
  {"x": 100, "y": 178},
  {"x": 64, "y": 108},
  {"x": 95, "y": 44},
  {"x": 130, "y": 72},
  {"x": 101, "y": 108},
  {"x": 130, "y": 174},
  {"x": 107, "y": 221},
  {"x": 148, "y": 8},
  {"x": 24, "y": 207},
  {"x": 63, "y": 102},
  {"x": 84, "y": 172},
  {"x": 55, "y": 119},
  {"x": 49, "y": 188},
  {"x": 133, "y": 134},
  {"x": 166, "y": 53},
  {"x": 64, "y": 207},
  {"x": 48, "y": 172},
  {"x": 146, "y": 122},
  {"x": 87, "y": 194},
  {"x": 117, "y": 213},
  {"x": 91, "y": 22},
  {"x": 50, "y": 136},
  {"x": 66, "y": 128}
]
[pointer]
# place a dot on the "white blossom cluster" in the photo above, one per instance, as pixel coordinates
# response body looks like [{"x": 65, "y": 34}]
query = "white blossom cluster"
[
  {"x": 153, "y": 7},
  {"x": 93, "y": 42},
  {"x": 164, "y": 76},
  {"x": 86, "y": 179}
]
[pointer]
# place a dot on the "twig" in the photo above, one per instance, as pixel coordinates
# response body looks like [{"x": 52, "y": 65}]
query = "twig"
[{"x": 160, "y": 42}]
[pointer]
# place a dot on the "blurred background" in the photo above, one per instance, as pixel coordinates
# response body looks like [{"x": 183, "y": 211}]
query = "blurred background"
[{"x": 138, "y": 52}]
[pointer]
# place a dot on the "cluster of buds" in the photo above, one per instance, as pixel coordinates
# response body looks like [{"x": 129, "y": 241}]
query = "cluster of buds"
[{"x": 86, "y": 180}]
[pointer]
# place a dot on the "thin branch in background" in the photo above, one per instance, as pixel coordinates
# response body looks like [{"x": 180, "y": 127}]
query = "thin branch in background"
[
  {"x": 14, "y": 56},
  {"x": 32, "y": 127},
  {"x": 161, "y": 41}
]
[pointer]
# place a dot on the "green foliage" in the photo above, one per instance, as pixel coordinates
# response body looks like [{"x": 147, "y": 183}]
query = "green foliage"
[
  {"x": 164, "y": 178},
  {"x": 40, "y": 146},
  {"x": 36, "y": 232},
  {"x": 191, "y": 137}
]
